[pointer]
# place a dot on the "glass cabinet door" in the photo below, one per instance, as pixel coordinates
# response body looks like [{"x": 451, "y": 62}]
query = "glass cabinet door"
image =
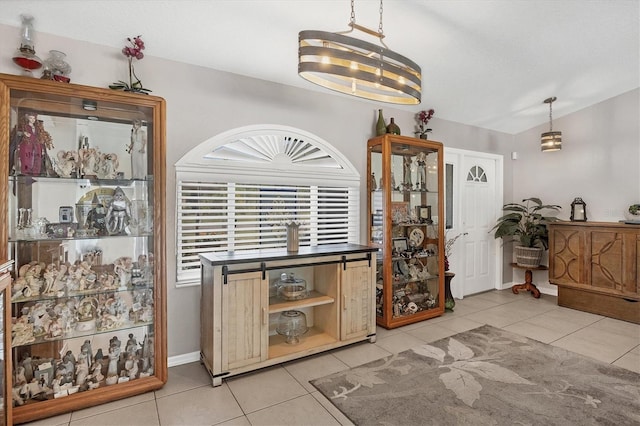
[{"x": 405, "y": 203}]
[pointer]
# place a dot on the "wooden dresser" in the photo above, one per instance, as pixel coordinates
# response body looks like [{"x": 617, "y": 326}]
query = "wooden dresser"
[{"x": 596, "y": 266}]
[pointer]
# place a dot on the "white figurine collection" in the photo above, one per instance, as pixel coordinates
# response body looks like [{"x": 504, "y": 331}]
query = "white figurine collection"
[
  {"x": 68, "y": 302},
  {"x": 39, "y": 379},
  {"x": 77, "y": 299}
]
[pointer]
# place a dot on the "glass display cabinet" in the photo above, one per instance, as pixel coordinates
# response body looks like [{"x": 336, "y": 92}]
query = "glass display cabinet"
[
  {"x": 406, "y": 222},
  {"x": 82, "y": 197}
]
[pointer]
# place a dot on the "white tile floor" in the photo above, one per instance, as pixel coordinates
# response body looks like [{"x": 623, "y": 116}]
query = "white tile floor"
[{"x": 281, "y": 395}]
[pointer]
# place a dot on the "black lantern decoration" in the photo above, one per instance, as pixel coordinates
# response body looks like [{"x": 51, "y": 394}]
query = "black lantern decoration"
[{"x": 578, "y": 210}]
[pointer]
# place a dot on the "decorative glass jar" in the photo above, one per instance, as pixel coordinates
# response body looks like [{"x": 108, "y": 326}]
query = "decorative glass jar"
[
  {"x": 292, "y": 324},
  {"x": 291, "y": 288}
]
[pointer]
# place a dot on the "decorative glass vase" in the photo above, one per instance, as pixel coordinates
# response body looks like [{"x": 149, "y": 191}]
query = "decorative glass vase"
[
  {"x": 56, "y": 68},
  {"x": 293, "y": 237},
  {"x": 381, "y": 127},
  {"x": 393, "y": 127},
  {"x": 292, "y": 324},
  {"x": 449, "y": 301}
]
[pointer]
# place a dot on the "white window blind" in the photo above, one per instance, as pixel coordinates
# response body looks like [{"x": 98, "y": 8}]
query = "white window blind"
[{"x": 226, "y": 216}]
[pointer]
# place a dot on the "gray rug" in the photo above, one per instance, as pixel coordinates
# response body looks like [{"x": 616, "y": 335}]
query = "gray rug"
[{"x": 485, "y": 376}]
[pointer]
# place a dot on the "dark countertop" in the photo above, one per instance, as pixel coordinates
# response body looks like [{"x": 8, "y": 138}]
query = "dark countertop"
[{"x": 246, "y": 256}]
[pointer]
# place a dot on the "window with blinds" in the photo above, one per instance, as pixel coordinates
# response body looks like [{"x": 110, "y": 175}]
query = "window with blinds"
[
  {"x": 220, "y": 207},
  {"x": 233, "y": 216}
]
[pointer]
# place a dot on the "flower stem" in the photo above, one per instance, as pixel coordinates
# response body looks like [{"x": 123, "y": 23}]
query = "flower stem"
[{"x": 130, "y": 74}]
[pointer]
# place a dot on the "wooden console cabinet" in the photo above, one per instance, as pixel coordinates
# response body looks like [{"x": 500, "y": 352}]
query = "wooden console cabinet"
[
  {"x": 596, "y": 266},
  {"x": 239, "y": 317}
]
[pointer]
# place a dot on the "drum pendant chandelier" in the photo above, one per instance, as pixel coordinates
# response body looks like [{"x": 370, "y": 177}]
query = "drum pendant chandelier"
[
  {"x": 356, "y": 67},
  {"x": 550, "y": 141}
]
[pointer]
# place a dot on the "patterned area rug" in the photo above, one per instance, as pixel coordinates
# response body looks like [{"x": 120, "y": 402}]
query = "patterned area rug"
[{"x": 485, "y": 376}]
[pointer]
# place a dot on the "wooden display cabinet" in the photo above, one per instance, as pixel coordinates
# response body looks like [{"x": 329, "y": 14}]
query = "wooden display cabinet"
[
  {"x": 406, "y": 221},
  {"x": 596, "y": 266},
  {"x": 82, "y": 186},
  {"x": 240, "y": 307}
]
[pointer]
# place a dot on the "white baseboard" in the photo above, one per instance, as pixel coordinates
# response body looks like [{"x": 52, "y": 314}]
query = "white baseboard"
[{"x": 176, "y": 360}]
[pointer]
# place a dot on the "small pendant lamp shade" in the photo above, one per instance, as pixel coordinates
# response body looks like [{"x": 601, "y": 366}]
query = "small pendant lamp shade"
[{"x": 550, "y": 141}]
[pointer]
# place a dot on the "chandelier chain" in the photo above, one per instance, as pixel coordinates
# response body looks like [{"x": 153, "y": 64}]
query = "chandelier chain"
[
  {"x": 550, "y": 116},
  {"x": 380, "y": 25},
  {"x": 353, "y": 12}
]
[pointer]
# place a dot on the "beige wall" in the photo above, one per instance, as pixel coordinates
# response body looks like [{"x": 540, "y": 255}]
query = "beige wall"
[{"x": 203, "y": 102}]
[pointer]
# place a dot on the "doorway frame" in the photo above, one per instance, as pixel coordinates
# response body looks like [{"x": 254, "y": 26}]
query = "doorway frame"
[{"x": 456, "y": 157}]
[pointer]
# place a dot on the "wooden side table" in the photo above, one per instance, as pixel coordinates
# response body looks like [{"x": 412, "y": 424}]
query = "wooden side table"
[{"x": 528, "y": 285}]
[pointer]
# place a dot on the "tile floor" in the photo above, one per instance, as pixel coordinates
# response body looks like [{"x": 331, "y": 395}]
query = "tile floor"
[{"x": 281, "y": 395}]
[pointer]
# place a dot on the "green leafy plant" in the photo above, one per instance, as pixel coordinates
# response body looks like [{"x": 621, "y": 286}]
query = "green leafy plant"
[
  {"x": 524, "y": 222},
  {"x": 131, "y": 52},
  {"x": 634, "y": 209}
]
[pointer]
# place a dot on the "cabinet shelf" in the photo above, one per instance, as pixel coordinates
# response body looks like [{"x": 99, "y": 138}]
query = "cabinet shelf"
[
  {"x": 313, "y": 338},
  {"x": 75, "y": 238},
  {"x": 77, "y": 334},
  {"x": 81, "y": 181},
  {"x": 314, "y": 299},
  {"x": 85, "y": 293}
]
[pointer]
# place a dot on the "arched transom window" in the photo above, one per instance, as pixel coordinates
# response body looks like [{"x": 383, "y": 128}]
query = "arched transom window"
[
  {"x": 236, "y": 190},
  {"x": 476, "y": 174}
]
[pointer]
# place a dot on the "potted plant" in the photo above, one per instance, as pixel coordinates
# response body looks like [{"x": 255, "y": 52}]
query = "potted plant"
[{"x": 525, "y": 223}]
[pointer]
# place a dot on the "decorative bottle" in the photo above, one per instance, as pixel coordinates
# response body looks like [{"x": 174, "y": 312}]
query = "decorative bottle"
[
  {"x": 381, "y": 127},
  {"x": 393, "y": 128}
]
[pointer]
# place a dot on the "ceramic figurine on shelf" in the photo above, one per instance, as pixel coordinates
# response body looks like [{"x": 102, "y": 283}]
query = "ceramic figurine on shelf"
[
  {"x": 107, "y": 167},
  {"x": 421, "y": 161},
  {"x": 118, "y": 214},
  {"x": 67, "y": 164},
  {"x": 138, "y": 151},
  {"x": 30, "y": 156},
  {"x": 88, "y": 162},
  {"x": 122, "y": 267},
  {"x": 406, "y": 167}
]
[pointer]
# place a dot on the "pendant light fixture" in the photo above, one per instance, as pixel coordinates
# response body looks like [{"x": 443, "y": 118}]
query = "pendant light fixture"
[
  {"x": 359, "y": 68},
  {"x": 550, "y": 141}
]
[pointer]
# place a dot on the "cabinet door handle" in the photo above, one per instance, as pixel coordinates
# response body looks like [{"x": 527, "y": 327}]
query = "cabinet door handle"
[
  {"x": 264, "y": 316},
  {"x": 344, "y": 302}
]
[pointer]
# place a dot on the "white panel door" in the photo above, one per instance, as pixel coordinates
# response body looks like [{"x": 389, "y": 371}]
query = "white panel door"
[{"x": 478, "y": 210}]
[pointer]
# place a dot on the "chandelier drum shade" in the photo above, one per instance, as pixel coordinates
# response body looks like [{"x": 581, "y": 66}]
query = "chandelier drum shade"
[
  {"x": 550, "y": 141},
  {"x": 357, "y": 67}
]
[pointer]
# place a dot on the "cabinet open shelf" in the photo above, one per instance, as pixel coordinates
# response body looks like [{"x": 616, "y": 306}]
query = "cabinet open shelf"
[
  {"x": 313, "y": 299},
  {"x": 313, "y": 338}
]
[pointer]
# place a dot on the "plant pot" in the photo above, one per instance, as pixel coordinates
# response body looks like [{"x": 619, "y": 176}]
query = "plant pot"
[{"x": 529, "y": 257}]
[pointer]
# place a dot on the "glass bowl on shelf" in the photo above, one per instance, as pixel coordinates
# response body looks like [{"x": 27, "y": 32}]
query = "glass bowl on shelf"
[
  {"x": 291, "y": 288},
  {"x": 292, "y": 324}
]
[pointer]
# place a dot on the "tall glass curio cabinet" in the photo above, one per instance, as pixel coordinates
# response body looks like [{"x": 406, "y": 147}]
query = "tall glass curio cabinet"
[
  {"x": 82, "y": 182},
  {"x": 406, "y": 222}
]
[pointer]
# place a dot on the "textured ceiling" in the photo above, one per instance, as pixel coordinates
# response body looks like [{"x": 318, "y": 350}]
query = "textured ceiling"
[{"x": 484, "y": 63}]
